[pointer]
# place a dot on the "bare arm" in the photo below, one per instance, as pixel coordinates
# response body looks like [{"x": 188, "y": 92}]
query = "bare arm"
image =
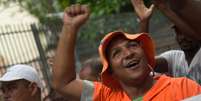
[
  {"x": 181, "y": 25},
  {"x": 143, "y": 13},
  {"x": 64, "y": 74}
]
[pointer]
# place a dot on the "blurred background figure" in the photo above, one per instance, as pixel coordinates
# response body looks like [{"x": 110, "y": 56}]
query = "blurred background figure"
[
  {"x": 21, "y": 83},
  {"x": 91, "y": 69},
  {"x": 184, "y": 62}
]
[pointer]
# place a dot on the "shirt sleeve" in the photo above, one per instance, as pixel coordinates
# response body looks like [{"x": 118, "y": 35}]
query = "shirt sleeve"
[{"x": 88, "y": 90}]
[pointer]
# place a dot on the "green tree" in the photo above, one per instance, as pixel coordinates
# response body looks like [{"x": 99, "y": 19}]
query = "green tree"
[
  {"x": 100, "y": 9},
  {"x": 41, "y": 8}
]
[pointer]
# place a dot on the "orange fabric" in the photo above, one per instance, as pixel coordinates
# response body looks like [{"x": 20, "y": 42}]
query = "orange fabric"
[
  {"x": 165, "y": 89},
  {"x": 147, "y": 45}
]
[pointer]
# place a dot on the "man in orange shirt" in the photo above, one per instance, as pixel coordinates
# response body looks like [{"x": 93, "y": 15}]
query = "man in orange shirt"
[{"x": 128, "y": 60}]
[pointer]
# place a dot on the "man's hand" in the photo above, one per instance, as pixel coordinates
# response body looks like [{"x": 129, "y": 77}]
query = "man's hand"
[
  {"x": 141, "y": 10},
  {"x": 76, "y": 15}
]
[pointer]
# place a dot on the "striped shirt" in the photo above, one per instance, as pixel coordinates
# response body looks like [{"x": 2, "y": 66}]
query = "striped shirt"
[{"x": 179, "y": 67}]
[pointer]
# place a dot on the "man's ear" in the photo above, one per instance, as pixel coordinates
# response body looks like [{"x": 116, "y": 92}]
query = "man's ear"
[{"x": 33, "y": 88}]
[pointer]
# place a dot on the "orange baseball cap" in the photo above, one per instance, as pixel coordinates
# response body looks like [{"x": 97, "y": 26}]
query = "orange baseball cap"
[{"x": 147, "y": 45}]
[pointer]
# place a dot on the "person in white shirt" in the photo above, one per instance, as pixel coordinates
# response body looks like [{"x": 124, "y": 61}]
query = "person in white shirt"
[{"x": 184, "y": 62}]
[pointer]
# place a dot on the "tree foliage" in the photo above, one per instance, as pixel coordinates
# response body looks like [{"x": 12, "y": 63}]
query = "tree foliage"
[
  {"x": 100, "y": 13},
  {"x": 41, "y": 8}
]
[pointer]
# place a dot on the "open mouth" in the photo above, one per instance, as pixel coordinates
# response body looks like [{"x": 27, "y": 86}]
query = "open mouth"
[{"x": 132, "y": 64}]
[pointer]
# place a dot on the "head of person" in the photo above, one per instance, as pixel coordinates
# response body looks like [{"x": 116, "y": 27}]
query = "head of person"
[
  {"x": 51, "y": 55},
  {"x": 189, "y": 11},
  {"x": 91, "y": 69},
  {"x": 127, "y": 58},
  {"x": 21, "y": 83},
  {"x": 185, "y": 42},
  {"x": 50, "y": 61}
]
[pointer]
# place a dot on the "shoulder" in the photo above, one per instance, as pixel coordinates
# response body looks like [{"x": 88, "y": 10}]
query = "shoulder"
[
  {"x": 199, "y": 51},
  {"x": 182, "y": 80},
  {"x": 101, "y": 89},
  {"x": 179, "y": 88},
  {"x": 106, "y": 93},
  {"x": 179, "y": 81},
  {"x": 93, "y": 91},
  {"x": 173, "y": 52},
  {"x": 186, "y": 86}
]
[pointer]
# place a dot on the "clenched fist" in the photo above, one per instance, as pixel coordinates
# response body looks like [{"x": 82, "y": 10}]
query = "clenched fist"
[{"x": 76, "y": 15}]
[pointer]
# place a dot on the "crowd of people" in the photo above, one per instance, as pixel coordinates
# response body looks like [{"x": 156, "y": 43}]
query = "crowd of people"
[{"x": 127, "y": 68}]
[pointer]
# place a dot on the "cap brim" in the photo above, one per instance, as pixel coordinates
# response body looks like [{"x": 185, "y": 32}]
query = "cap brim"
[{"x": 9, "y": 77}]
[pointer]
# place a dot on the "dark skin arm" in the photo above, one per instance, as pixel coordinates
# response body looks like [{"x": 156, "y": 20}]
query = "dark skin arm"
[
  {"x": 181, "y": 24},
  {"x": 189, "y": 11},
  {"x": 143, "y": 13},
  {"x": 64, "y": 74}
]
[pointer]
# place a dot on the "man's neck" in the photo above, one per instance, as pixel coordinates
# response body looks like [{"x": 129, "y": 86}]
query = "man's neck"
[{"x": 140, "y": 89}]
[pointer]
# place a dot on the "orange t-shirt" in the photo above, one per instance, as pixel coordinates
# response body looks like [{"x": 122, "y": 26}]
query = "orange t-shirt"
[{"x": 165, "y": 89}]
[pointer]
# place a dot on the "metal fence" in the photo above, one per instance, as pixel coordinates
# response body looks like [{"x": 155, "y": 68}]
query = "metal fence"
[{"x": 28, "y": 44}]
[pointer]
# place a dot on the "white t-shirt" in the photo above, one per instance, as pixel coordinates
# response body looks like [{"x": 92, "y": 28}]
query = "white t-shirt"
[
  {"x": 178, "y": 65},
  {"x": 193, "y": 98}
]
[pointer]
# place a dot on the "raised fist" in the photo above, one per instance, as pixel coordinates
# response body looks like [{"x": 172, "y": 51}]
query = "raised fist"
[{"x": 76, "y": 15}]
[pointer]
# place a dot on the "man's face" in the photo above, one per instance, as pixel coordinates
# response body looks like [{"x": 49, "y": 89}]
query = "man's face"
[
  {"x": 186, "y": 43},
  {"x": 128, "y": 61},
  {"x": 16, "y": 91}
]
